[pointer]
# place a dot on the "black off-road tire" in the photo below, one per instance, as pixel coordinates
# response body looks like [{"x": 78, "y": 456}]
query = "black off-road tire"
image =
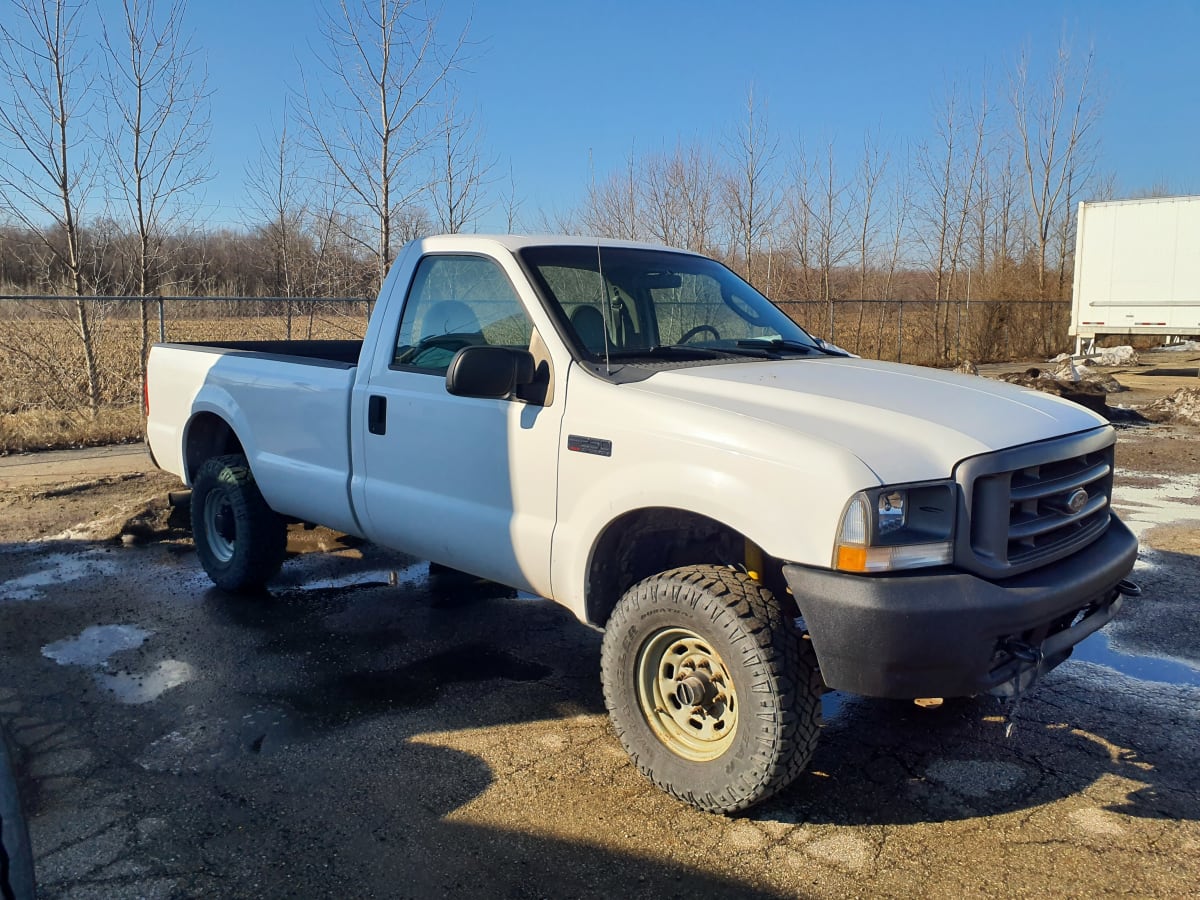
[
  {"x": 240, "y": 540},
  {"x": 776, "y": 687}
]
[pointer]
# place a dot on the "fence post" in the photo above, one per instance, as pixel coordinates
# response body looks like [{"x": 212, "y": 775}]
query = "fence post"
[
  {"x": 162, "y": 322},
  {"x": 900, "y": 336}
]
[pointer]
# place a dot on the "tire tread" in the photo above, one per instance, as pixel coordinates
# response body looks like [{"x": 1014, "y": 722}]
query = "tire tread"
[{"x": 779, "y": 662}]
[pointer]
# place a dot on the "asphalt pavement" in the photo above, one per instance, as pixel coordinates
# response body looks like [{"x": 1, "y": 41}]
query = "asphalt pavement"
[{"x": 369, "y": 729}]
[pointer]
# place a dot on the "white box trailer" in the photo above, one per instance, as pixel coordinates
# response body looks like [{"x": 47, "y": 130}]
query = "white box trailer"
[{"x": 1137, "y": 269}]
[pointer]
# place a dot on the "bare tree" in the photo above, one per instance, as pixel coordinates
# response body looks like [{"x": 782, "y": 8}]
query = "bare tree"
[
  {"x": 47, "y": 173},
  {"x": 157, "y": 132},
  {"x": 462, "y": 170},
  {"x": 948, "y": 168},
  {"x": 898, "y": 226},
  {"x": 512, "y": 202},
  {"x": 751, "y": 187},
  {"x": 831, "y": 216},
  {"x": 277, "y": 194},
  {"x": 868, "y": 176},
  {"x": 800, "y": 228},
  {"x": 611, "y": 209},
  {"x": 678, "y": 197},
  {"x": 371, "y": 126},
  {"x": 935, "y": 163},
  {"x": 1054, "y": 127}
]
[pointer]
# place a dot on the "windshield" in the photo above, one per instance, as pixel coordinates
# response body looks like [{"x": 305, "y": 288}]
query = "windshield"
[{"x": 628, "y": 302}]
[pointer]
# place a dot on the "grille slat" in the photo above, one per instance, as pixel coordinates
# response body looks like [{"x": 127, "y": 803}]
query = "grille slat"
[
  {"x": 1021, "y": 515},
  {"x": 1048, "y": 487},
  {"x": 1036, "y": 527}
]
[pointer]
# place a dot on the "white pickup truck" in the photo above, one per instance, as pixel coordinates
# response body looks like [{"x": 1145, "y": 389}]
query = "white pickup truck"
[{"x": 752, "y": 517}]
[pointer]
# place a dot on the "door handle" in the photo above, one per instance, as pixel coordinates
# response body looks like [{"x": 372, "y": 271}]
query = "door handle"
[{"x": 377, "y": 414}]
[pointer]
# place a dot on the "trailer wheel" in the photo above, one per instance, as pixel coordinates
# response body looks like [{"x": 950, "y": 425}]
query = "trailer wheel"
[
  {"x": 240, "y": 540},
  {"x": 714, "y": 698}
]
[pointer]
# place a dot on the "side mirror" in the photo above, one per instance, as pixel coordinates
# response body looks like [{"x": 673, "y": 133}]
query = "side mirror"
[{"x": 492, "y": 372}]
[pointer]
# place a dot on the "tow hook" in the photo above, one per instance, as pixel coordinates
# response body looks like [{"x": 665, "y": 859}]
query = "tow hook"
[
  {"x": 1026, "y": 653},
  {"x": 1129, "y": 588},
  {"x": 1023, "y": 651}
]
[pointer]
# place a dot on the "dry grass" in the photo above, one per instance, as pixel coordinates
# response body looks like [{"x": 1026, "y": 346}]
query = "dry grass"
[
  {"x": 44, "y": 404},
  {"x": 52, "y": 429},
  {"x": 44, "y": 400},
  {"x": 926, "y": 333}
]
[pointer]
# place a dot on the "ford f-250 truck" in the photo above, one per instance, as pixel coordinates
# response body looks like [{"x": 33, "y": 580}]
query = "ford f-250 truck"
[{"x": 751, "y": 516}]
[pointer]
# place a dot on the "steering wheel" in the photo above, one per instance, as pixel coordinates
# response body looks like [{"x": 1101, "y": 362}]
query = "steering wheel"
[
  {"x": 436, "y": 350},
  {"x": 452, "y": 342},
  {"x": 692, "y": 332}
]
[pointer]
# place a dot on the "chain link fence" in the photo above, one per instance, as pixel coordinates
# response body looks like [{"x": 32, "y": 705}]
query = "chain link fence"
[
  {"x": 43, "y": 366},
  {"x": 939, "y": 333},
  {"x": 42, "y": 360}
]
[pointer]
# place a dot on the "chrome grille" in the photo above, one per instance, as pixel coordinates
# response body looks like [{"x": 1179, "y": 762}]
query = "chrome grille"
[{"x": 1035, "y": 504}]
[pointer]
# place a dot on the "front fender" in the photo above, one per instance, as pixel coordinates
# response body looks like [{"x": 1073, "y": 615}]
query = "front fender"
[{"x": 778, "y": 490}]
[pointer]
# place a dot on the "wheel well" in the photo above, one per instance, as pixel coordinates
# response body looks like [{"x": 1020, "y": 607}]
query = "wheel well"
[
  {"x": 648, "y": 541},
  {"x": 208, "y": 435}
]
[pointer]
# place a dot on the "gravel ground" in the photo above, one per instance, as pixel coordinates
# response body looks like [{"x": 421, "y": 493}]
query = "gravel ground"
[{"x": 342, "y": 736}]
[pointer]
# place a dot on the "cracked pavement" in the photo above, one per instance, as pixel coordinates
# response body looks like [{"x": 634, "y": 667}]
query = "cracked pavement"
[{"x": 344, "y": 736}]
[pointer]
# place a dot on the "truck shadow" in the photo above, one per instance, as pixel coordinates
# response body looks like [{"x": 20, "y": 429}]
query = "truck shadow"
[
  {"x": 335, "y": 652},
  {"x": 1085, "y": 732},
  {"x": 373, "y": 651}
]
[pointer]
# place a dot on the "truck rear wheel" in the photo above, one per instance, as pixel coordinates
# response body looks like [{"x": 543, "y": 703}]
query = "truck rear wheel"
[
  {"x": 240, "y": 540},
  {"x": 714, "y": 698}
]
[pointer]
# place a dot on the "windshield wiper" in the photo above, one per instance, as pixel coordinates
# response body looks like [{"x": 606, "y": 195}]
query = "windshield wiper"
[
  {"x": 786, "y": 344},
  {"x": 686, "y": 352},
  {"x": 665, "y": 351}
]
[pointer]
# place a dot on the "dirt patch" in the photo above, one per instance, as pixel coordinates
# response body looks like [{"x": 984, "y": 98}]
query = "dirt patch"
[
  {"x": 1175, "y": 538},
  {"x": 96, "y": 509},
  {"x": 1161, "y": 449}
]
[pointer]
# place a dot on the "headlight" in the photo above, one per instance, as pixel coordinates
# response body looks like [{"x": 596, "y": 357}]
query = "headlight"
[{"x": 897, "y": 527}]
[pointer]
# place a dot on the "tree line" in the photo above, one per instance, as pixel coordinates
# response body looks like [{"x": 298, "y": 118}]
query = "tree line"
[{"x": 106, "y": 138}]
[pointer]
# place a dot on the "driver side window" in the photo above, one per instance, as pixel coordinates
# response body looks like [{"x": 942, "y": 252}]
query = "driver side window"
[{"x": 456, "y": 302}]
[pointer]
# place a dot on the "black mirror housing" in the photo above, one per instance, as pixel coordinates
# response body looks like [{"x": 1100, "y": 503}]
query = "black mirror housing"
[{"x": 490, "y": 372}]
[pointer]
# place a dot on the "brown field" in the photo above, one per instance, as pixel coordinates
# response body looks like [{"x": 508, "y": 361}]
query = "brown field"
[{"x": 44, "y": 402}]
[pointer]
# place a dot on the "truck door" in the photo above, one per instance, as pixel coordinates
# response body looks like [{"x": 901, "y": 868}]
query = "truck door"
[{"x": 467, "y": 482}]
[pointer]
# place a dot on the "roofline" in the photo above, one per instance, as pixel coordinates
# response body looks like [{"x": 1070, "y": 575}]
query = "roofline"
[
  {"x": 1129, "y": 200},
  {"x": 514, "y": 242}
]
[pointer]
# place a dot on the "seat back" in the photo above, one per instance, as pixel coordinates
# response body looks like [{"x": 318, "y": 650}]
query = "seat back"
[{"x": 588, "y": 323}]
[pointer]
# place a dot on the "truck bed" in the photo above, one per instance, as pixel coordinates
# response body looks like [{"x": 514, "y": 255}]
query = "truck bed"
[
  {"x": 341, "y": 353},
  {"x": 287, "y": 401}
]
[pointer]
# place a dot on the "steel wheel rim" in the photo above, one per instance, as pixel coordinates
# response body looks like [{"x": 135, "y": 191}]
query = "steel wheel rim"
[
  {"x": 220, "y": 528},
  {"x": 698, "y": 732}
]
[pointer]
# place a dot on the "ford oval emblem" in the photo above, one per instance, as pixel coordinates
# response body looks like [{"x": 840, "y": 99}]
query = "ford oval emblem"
[{"x": 1077, "y": 501}]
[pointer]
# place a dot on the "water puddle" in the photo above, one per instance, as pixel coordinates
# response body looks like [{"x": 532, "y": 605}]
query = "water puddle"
[
  {"x": 133, "y": 688},
  {"x": 94, "y": 645},
  {"x": 1098, "y": 649},
  {"x": 832, "y": 704},
  {"x": 57, "y": 568},
  {"x": 364, "y": 579}
]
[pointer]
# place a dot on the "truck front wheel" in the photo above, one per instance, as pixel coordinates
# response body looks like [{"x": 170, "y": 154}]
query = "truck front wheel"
[
  {"x": 240, "y": 540},
  {"x": 714, "y": 698}
]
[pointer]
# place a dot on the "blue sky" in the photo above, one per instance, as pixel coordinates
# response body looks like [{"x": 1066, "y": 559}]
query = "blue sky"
[{"x": 556, "y": 83}]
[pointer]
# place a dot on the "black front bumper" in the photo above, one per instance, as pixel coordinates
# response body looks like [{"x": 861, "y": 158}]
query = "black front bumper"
[{"x": 953, "y": 634}]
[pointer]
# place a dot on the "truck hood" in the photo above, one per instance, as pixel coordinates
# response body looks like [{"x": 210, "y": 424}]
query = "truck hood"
[{"x": 905, "y": 423}]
